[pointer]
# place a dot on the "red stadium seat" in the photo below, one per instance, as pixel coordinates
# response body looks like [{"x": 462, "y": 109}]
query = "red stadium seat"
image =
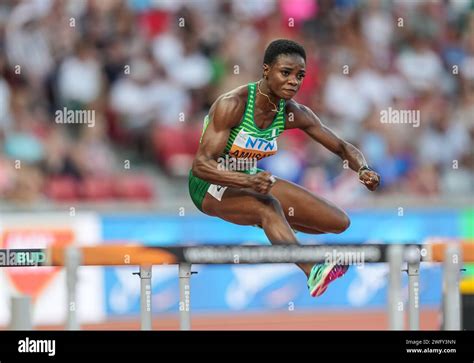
[
  {"x": 62, "y": 188},
  {"x": 96, "y": 189},
  {"x": 175, "y": 147},
  {"x": 138, "y": 187}
]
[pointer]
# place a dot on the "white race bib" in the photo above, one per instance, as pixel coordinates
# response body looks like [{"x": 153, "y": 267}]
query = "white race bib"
[{"x": 217, "y": 191}]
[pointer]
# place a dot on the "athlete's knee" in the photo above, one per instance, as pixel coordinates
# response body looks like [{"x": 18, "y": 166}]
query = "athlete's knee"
[{"x": 269, "y": 207}]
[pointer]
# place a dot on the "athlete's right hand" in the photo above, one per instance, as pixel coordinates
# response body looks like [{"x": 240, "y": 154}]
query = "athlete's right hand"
[{"x": 262, "y": 182}]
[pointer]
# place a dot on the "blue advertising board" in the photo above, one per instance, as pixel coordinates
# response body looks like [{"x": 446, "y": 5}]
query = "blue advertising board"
[{"x": 267, "y": 287}]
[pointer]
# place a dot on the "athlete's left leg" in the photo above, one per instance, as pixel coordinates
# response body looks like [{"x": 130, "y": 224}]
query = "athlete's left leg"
[{"x": 307, "y": 212}]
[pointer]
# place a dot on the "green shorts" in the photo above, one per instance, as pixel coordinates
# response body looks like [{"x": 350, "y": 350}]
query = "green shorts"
[{"x": 198, "y": 188}]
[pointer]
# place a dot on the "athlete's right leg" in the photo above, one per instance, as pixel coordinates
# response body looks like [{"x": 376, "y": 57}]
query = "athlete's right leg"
[{"x": 248, "y": 208}]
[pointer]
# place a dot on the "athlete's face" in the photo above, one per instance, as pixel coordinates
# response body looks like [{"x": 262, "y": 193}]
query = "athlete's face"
[{"x": 285, "y": 75}]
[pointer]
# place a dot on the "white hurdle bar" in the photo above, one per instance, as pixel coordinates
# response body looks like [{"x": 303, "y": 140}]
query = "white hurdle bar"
[{"x": 145, "y": 257}]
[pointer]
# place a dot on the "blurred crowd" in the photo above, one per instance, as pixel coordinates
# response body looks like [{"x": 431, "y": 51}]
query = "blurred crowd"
[{"x": 150, "y": 70}]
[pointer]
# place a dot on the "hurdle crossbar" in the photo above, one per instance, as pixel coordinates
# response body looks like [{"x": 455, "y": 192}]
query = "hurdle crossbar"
[
  {"x": 116, "y": 255},
  {"x": 185, "y": 256}
]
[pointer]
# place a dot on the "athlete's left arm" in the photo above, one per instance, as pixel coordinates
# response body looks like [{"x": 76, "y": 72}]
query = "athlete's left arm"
[{"x": 302, "y": 117}]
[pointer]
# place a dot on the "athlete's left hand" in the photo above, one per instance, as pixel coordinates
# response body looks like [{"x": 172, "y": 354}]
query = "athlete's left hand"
[{"x": 370, "y": 179}]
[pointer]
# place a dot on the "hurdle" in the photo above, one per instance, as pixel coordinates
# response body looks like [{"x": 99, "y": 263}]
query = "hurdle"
[{"x": 451, "y": 254}]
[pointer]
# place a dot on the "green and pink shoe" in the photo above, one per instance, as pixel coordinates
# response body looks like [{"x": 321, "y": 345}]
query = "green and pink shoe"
[{"x": 322, "y": 275}]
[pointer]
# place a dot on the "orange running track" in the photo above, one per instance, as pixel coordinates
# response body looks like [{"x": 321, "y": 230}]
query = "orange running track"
[{"x": 291, "y": 320}]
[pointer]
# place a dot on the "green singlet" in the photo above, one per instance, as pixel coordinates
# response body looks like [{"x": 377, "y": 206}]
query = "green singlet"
[{"x": 246, "y": 145}]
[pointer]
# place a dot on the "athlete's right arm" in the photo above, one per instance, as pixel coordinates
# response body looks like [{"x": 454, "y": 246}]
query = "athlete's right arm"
[{"x": 224, "y": 114}]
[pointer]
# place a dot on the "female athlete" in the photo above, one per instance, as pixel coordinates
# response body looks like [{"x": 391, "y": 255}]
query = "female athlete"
[{"x": 243, "y": 126}]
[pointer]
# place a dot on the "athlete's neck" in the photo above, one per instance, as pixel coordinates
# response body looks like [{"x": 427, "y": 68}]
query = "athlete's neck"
[{"x": 265, "y": 103}]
